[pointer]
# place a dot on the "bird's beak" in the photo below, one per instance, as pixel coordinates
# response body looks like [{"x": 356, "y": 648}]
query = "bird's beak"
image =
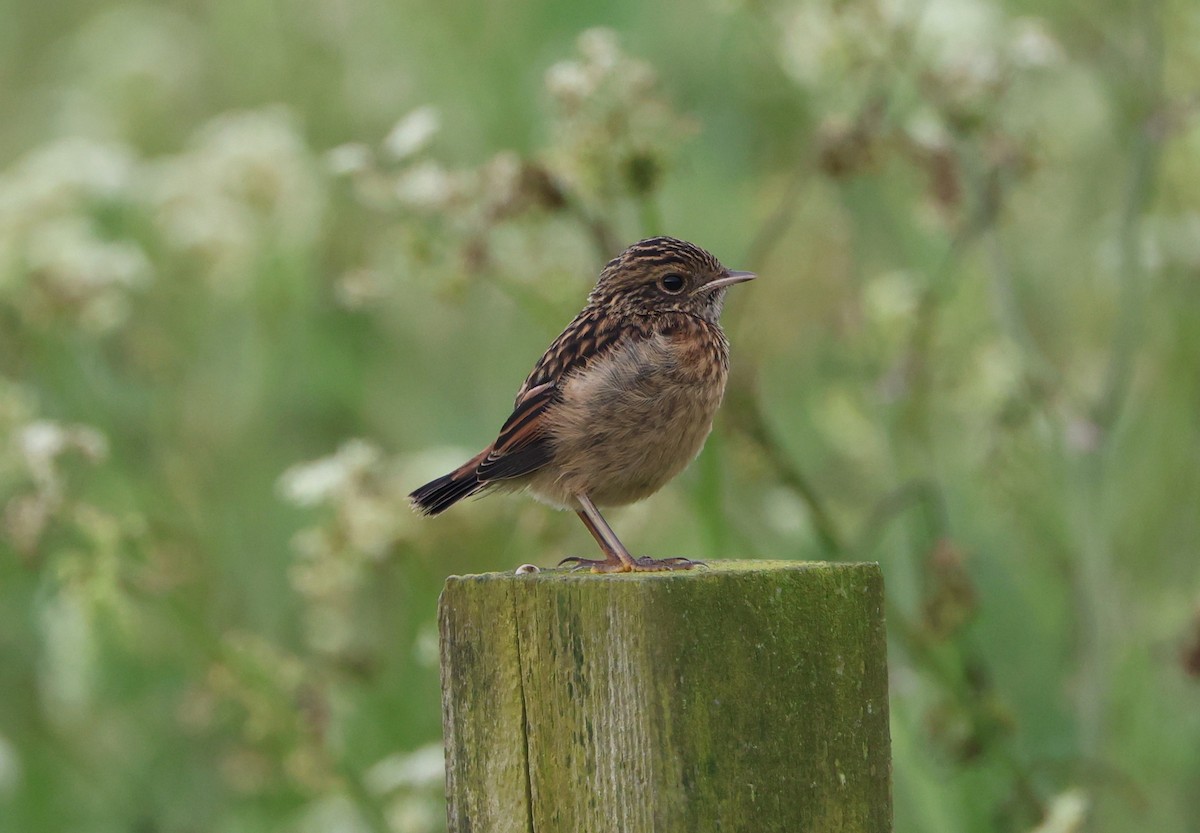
[{"x": 728, "y": 279}]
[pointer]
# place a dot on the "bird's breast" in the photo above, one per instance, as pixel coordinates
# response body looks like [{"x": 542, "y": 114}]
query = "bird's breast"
[{"x": 635, "y": 417}]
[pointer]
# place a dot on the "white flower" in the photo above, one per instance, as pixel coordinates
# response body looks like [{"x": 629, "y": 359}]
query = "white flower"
[
  {"x": 308, "y": 484},
  {"x": 42, "y": 442},
  {"x": 962, "y": 37},
  {"x": 600, "y": 46},
  {"x": 349, "y": 158},
  {"x": 926, "y": 130},
  {"x": 420, "y": 768},
  {"x": 413, "y": 133},
  {"x": 247, "y": 181},
  {"x": 1067, "y": 813},
  {"x": 808, "y": 37},
  {"x": 1032, "y": 45},
  {"x": 608, "y": 113},
  {"x": 426, "y": 186},
  {"x": 78, "y": 263},
  {"x": 59, "y": 177},
  {"x": 569, "y": 82},
  {"x": 331, "y": 813}
]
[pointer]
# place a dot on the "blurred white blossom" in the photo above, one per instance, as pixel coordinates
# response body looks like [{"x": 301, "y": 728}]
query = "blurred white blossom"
[
  {"x": 569, "y": 82},
  {"x": 44, "y": 441},
  {"x": 365, "y": 494},
  {"x": 413, "y": 133},
  {"x": 614, "y": 133},
  {"x": 63, "y": 176},
  {"x": 307, "y": 484},
  {"x": 423, "y": 767},
  {"x": 248, "y": 183},
  {"x": 428, "y": 186},
  {"x": 927, "y": 130},
  {"x": 76, "y": 267},
  {"x": 518, "y": 218},
  {"x": 33, "y": 464},
  {"x": 1032, "y": 45},
  {"x": 822, "y": 44},
  {"x": 54, "y": 262},
  {"x": 808, "y": 38},
  {"x": 601, "y": 47},
  {"x": 965, "y": 49},
  {"x": 332, "y": 813},
  {"x": 1067, "y": 813},
  {"x": 363, "y": 489},
  {"x": 412, "y": 784},
  {"x": 348, "y": 158},
  {"x": 962, "y": 38}
]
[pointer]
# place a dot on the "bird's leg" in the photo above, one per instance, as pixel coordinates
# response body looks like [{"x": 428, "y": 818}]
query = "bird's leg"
[{"x": 617, "y": 559}]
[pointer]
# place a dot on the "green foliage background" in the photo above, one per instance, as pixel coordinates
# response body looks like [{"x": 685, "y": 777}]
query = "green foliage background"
[{"x": 265, "y": 267}]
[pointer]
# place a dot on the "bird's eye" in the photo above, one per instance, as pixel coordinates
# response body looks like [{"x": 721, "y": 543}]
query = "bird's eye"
[{"x": 671, "y": 283}]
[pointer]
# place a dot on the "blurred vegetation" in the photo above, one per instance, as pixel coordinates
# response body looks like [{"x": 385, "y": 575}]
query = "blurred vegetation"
[{"x": 266, "y": 267}]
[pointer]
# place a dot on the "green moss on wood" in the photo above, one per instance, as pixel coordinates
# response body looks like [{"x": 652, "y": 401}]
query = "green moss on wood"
[{"x": 750, "y": 696}]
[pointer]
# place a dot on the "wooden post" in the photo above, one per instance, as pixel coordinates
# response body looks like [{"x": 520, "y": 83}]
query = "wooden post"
[{"x": 751, "y": 696}]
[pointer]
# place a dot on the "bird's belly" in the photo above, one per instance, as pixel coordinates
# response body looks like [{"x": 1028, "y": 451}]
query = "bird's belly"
[{"x": 628, "y": 425}]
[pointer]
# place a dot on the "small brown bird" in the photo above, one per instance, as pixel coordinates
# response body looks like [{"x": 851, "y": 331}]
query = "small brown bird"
[{"x": 620, "y": 403}]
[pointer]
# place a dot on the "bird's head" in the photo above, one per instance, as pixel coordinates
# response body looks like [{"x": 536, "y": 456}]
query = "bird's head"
[{"x": 662, "y": 275}]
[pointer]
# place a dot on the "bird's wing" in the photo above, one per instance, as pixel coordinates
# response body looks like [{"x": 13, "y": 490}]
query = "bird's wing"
[
  {"x": 522, "y": 446},
  {"x": 524, "y": 443}
]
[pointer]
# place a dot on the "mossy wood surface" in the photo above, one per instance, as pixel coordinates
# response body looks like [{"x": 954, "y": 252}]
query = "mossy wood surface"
[{"x": 751, "y": 696}]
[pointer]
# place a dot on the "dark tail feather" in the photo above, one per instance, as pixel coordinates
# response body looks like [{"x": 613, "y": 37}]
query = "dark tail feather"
[{"x": 439, "y": 495}]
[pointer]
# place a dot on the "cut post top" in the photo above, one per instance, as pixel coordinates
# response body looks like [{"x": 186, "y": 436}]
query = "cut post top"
[{"x": 708, "y": 570}]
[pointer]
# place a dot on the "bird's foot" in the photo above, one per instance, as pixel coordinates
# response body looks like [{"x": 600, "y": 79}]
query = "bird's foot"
[
  {"x": 612, "y": 565},
  {"x": 638, "y": 565}
]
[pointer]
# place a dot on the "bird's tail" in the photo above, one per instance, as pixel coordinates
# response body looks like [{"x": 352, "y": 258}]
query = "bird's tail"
[{"x": 440, "y": 494}]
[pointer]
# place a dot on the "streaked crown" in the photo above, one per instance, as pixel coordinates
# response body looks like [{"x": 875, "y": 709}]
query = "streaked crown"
[{"x": 663, "y": 274}]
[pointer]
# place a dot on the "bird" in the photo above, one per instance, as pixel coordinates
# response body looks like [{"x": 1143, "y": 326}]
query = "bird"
[{"x": 619, "y": 403}]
